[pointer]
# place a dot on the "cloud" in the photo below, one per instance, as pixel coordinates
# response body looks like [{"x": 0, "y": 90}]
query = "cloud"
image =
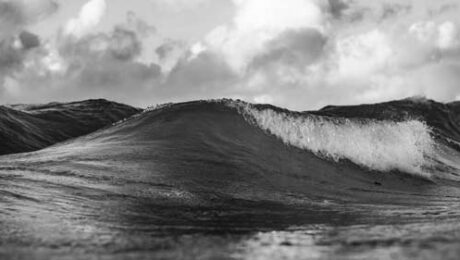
[
  {"x": 260, "y": 53},
  {"x": 258, "y": 22},
  {"x": 15, "y": 15},
  {"x": 13, "y": 52},
  {"x": 234, "y": 59},
  {"x": 296, "y": 48},
  {"x": 391, "y": 10},
  {"x": 119, "y": 44},
  {"x": 104, "y": 64},
  {"x": 12, "y": 17},
  {"x": 10, "y": 56},
  {"x": 124, "y": 44},
  {"x": 29, "y": 40},
  {"x": 300, "y": 54},
  {"x": 206, "y": 75},
  {"x": 169, "y": 53},
  {"x": 138, "y": 25},
  {"x": 178, "y": 4},
  {"x": 207, "y": 68},
  {"x": 363, "y": 54},
  {"x": 167, "y": 48},
  {"x": 16, "y": 44},
  {"x": 90, "y": 15},
  {"x": 307, "y": 54},
  {"x": 337, "y": 7},
  {"x": 448, "y": 37}
]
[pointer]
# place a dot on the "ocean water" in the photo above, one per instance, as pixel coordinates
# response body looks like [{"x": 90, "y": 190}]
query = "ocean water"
[{"x": 227, "y": 179}]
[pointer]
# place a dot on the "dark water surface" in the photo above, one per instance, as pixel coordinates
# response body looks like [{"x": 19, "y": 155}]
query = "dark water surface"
[{"x": 217, "y": 180}]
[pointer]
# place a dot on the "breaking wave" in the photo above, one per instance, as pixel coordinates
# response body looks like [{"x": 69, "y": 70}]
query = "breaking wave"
[{"x": 405, "y": 146}]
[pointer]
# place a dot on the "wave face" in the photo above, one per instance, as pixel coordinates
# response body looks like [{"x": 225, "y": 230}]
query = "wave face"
[{"x": 377, "y": 145}]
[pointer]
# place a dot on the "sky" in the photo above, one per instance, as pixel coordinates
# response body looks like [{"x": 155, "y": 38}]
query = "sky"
[{"x": 298, "y": 54}]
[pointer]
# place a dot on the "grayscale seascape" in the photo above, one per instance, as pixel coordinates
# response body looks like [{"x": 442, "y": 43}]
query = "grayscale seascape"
[{"x": 229, "y": 129}]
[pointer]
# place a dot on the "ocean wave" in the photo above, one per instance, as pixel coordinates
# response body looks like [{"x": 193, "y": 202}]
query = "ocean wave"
[{"x": 405, "y": 146}]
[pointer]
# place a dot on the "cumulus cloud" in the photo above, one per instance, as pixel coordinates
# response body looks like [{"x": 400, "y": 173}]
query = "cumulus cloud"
[
  {"x": 295, "y": 48},
  {"x": 124, "y": 44},
  {"x": 13, "y": 52},
  {"x": 301, "y": 54},
  {"x": 307, "y": 54},
  {"x": 16, "y": 43},
  {"x": 337, "y": 7},
  {"x": 80, "y": 63},
  {"x": 265, "y": 38},
  {"x": 258, "y": 22},
  {"x": 363, "y": 54},
  {"x": 169, "y": 53},
  {"x": 90, "y": 16},
  {"x": 206, "y": 75},
  {"x": 138, "y": 25},
  {"x": 10, "y": 55},
  {"x": 29, "y": 40},
  {"x": 14, "y": 15},
  {"x": 448, "y": 36}
]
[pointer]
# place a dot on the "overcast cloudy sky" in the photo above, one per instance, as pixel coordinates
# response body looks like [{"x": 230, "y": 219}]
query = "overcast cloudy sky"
[{"x": 300, "y": 54}]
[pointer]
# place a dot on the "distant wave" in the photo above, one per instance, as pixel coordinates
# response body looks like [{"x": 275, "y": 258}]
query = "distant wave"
[{"x": 26, "y": 128}]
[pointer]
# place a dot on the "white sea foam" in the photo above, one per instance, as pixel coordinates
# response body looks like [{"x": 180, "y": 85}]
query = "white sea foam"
[{"x": 378, "y": 145}]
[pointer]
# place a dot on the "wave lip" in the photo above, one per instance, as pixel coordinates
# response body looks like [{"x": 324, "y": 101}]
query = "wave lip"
[{"x": 405, "y": 146}]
